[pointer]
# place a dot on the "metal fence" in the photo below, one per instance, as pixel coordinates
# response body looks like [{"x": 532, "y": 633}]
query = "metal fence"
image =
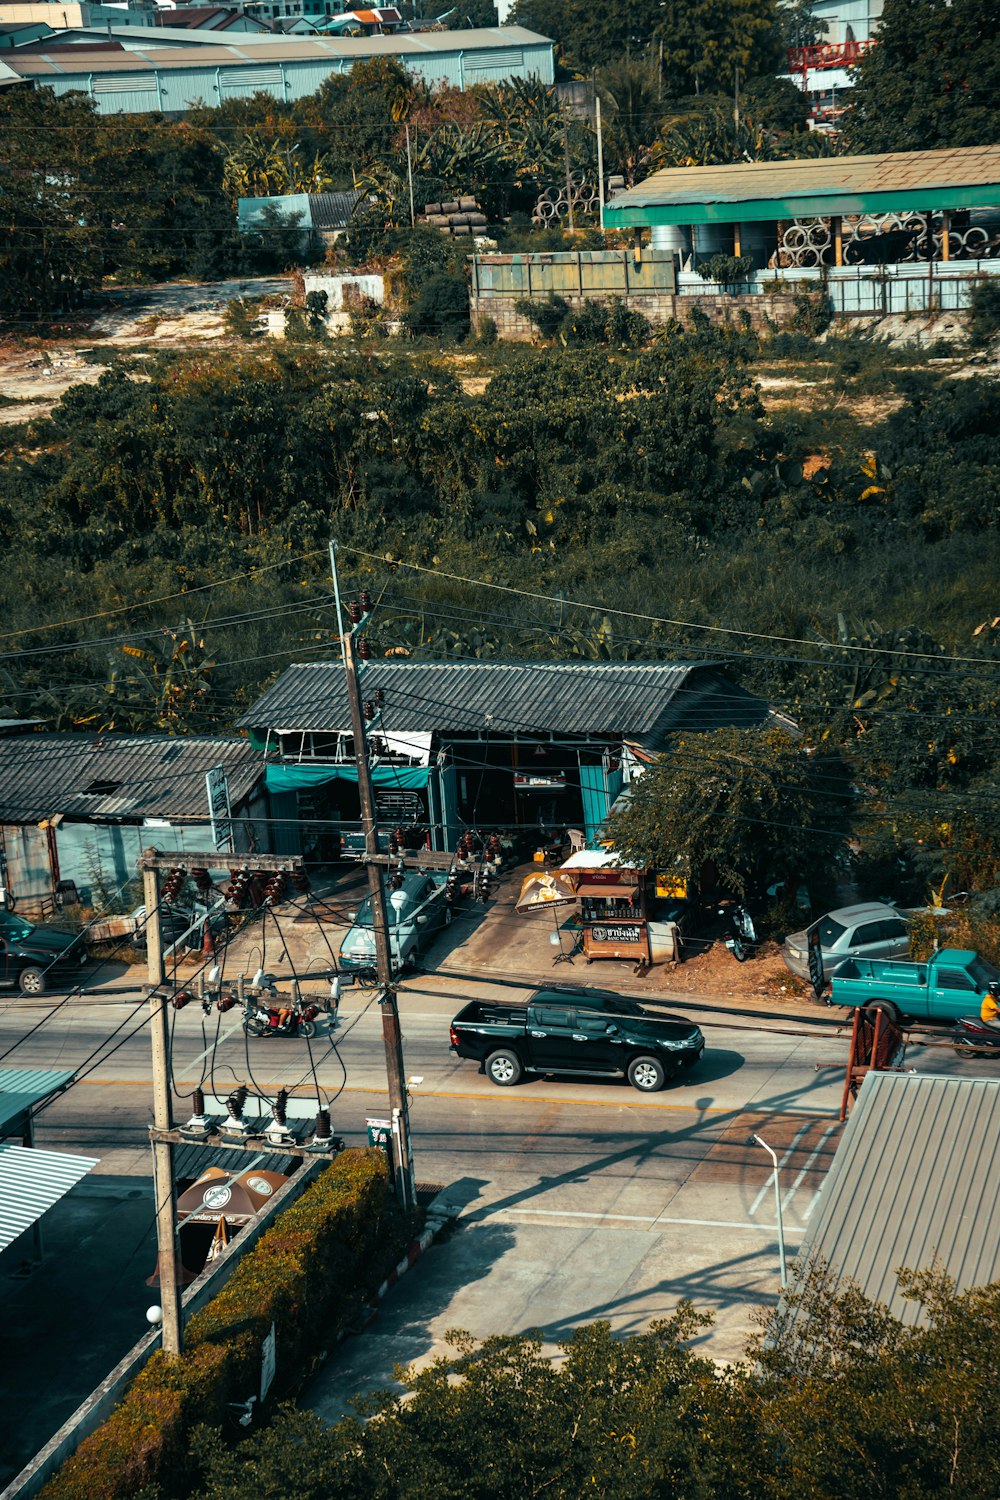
[
  {"x": 884, "y": 291},
  {"x": 574, "y": 273}
]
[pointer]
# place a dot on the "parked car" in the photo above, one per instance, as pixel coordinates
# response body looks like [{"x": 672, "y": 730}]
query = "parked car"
[
  {"x": 951, "y": 984},
  {"x": 417, "y": 909},
  {"x": 870, "y": 930},
  {"x": 36, "y": 959},
  {"x": 592, "y": 1033}
]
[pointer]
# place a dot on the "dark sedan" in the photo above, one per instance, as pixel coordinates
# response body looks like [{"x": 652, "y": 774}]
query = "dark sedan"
[{"x": 36, "y": 959}]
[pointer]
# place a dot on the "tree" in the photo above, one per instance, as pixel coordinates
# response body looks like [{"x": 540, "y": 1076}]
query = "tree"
[
  {"x": 750, "y": 802},
  {"x": 933, "y": 80}
]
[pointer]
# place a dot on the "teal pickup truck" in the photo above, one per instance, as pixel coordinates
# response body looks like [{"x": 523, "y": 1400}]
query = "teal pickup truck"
[{"x": 950, "y": 984}]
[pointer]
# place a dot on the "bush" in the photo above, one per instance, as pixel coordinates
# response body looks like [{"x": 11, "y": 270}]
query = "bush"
[
  {"x": 592, "y": 322},
  {"x": 726, "y": 268},
  {"x": 984, "y": 313},
  {"x": 812, "y": 314},
  {"x": 307, "y": 1275},
  {"x": 442, "y": 308}
]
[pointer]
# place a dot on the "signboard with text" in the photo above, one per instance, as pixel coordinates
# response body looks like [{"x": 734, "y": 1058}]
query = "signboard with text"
[{"x": 219, "y": 809}]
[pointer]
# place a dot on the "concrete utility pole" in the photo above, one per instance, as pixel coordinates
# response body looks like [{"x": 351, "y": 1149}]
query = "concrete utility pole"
[
  {"x": 164, "y": 1188},
  {"x": 391, "y": 1034},
  {"x": 600, "y": 160}
]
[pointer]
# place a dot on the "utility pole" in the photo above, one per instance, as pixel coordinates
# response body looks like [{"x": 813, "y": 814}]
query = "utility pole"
[
  {"x": 391, "y": 1034},
  {"x": 569, "y": 180},
  {"x": 409, "y": 177},
  {"x": 164, "y": 1187},
  {"x": 600, "y": 171}
]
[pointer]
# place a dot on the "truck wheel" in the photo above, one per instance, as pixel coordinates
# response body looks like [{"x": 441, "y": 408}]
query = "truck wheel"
[
  {"x": 32, "y": 981},
  {"x": 647, "y": 1074},
  {"x": 504, "y": 1069},
  {"x": 887, "y": 1008}
]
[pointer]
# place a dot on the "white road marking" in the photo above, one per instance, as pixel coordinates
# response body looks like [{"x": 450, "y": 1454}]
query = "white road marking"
[
  {"x": 830, "y": 1130},
  {"x": 769, "y": 1184},
  {"x": 565, "y": 1213}
]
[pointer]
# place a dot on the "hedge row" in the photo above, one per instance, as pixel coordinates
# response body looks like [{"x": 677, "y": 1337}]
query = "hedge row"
[{"x": 307, "y": 1274}]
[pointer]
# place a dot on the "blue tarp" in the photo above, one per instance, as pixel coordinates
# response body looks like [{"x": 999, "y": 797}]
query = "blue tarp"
[{"x": 284, "y": 778}]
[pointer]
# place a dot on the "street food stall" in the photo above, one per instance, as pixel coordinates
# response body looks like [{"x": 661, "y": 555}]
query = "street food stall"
[{"x": 612, "y": 896}]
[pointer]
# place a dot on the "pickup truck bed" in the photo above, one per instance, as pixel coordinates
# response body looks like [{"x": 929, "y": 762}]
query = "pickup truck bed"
[
  {"x": 509, "y": 1041},
  {"x": 949, "y": 985}
]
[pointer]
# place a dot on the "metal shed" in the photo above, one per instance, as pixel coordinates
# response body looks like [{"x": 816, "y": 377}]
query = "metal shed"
[
  {"x": 915, "y": 1182},
  {"x": 154, "y": 78},
  {"x": 896, "y": 182}
]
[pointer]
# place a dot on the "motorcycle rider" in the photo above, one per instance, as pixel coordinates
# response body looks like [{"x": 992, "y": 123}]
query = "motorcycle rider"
[{"x": 989, "y": 1011}]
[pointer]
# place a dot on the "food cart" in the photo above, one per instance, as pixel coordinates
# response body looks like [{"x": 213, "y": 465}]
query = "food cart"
[{"x": 613, "y": 906}]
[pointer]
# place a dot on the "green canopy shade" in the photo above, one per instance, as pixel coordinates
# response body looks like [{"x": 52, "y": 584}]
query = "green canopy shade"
[{"x": 284, "y": 778}]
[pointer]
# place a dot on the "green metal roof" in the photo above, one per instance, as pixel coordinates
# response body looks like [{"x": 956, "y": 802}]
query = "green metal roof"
[
  {"x": 21, "y": 1089},
  {"x": 899, "y": 182},
  {"x": 32, "y": 1182}
]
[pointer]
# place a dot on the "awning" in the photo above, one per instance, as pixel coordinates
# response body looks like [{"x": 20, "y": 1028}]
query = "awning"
[
  {"x": 21, "y": 1089},
  {"x": 595, "y": 859},
  {"x": 32, "y": 1182},
  {"x": 617, "y": 892},
  {"x": 296, "y": 778}
]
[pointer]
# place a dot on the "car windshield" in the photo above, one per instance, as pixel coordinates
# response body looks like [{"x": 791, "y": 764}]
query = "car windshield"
[
  {"x": 984, "y": 973},
  {"x": 364, "y": 916},
  {"x": 14, "y": 928},
  {"x": 600, "y": 1000},
  {"x": 829, "y": 931}
]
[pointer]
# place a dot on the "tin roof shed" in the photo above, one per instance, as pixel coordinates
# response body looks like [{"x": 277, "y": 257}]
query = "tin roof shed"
[
  {"x": 895, "y": 182},
  {"x": 642, "y": 701},
  {"x": 915, "y": 1182},
  {"x": 117, "y": 777}
]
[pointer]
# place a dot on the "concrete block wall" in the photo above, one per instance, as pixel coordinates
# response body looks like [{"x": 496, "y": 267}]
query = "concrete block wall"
[{"x": 765, "y": 310}]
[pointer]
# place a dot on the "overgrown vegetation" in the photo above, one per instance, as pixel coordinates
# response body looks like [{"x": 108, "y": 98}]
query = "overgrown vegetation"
[{"x": 841, "y": 1400}]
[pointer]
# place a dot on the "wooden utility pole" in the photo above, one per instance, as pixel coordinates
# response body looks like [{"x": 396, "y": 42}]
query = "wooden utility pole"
[
  {"x": 600, "y": 163},
  {"x": 409, "y": 176},
  {"x": 391, "y": 1034},
  {"x": 164, "y": 1187}
]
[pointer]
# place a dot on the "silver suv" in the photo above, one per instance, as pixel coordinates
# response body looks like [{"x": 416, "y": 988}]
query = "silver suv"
[{"x": 870, "y": 930}]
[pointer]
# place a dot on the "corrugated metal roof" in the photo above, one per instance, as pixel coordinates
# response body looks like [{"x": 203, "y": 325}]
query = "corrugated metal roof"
[
  {"x": 915, "y": 1181},
  {"x": 22, "y": 1088},
  {"x": 333, "y": 210},
  {"x": 645, "y": 701},
  {"x": 31, "y": 1182},
  {"x": 827, "y": 185},
  {"x": 117, "y": 776},
  {"x": 274, "y": 48}
]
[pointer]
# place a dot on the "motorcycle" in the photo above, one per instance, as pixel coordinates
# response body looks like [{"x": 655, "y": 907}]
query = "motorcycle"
[
  {"x": 742, "y": 938},
  {"x": 266, "y": 1020},
  {"x": 975, "y": 1037}
]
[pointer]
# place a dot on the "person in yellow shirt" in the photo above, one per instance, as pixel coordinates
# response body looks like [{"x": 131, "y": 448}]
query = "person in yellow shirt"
[{"x": 989, "y": 1011}]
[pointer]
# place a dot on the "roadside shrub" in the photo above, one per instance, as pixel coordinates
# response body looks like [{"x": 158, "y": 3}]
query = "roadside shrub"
[{"x": 308, "y": 1275}]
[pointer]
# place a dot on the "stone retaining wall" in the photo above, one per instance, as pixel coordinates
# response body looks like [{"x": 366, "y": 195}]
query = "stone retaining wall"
[{"x": 765, "y": 310}]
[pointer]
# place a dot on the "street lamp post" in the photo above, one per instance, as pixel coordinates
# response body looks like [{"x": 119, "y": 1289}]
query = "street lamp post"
[{"x": 755, "y": 1140}]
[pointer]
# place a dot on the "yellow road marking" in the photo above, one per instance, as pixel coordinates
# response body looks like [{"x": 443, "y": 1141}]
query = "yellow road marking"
[{"x": 421, "y": 1093}]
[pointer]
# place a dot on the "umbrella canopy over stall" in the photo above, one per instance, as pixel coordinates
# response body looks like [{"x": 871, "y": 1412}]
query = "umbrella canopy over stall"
[
  {"x": 221, "y": 1201},
  {"x": 235, "y": 1198},
  {"x": 542, "y": 891}
]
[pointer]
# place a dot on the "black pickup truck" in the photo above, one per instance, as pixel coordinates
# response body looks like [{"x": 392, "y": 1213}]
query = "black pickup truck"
[{"x": 591, "y": 1032}]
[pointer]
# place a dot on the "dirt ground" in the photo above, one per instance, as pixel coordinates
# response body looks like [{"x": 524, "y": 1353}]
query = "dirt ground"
[{"x": 36, "y": 373}]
